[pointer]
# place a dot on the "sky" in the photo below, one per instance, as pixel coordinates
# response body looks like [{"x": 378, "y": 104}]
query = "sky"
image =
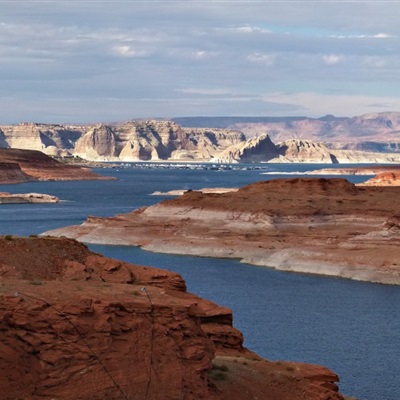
[{"x": 81, "y": 61}]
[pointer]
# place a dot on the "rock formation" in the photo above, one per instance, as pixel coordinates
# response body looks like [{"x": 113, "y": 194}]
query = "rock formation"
[
  {"x": 54, "y": 140},
  {"x": 18, "y": 166},
  {"x": 296, "y": 150},
  {"x": 154, "y": 140},
  {"x": 10, "y": 172},
  {"x": 390, "y": 178},
  {"x": 262, "y": 149},
  {"x": 321, "y": 226},
  {"x": 259, "y": 149},
  {"x": 24, "y": 198},
  {"x": 76, "y": 325}
]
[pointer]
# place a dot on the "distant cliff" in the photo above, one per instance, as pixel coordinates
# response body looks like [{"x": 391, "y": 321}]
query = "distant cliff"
[
  {"x": 368, "y": 132},
  {"x": 369, "y": 138}
]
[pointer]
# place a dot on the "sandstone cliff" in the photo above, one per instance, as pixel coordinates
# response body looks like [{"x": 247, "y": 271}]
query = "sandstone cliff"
[
  {"x": 166, "y": 140},
  {"x": 296, "y": 150},
  {"x": 322, "y": 226},
  {"x": 18, "y": 166},
  {"x": 54, "y": 140},
  {"x": 262, "y": 149},
  {"x": 259, "y": 149},
  {"x": 10, "y": 172},
  {"x": 76, "y": 325},
  {"x": 153, "y": 140}
]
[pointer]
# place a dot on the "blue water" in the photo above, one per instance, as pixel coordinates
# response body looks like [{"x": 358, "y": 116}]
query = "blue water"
[{"x": 351, "y": 327}]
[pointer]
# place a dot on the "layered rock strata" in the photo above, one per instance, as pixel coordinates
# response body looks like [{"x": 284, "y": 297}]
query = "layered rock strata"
[
  {"x": 152, "y": 140},
  {"x": 18, "y": 166},
  {"x": 320, "y": 226},
  {"x": 76, "y": 325}
]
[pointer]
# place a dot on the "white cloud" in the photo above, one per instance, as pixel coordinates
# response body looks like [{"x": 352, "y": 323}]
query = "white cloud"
[
  {"x": 364, "y": 36},
  {"x": 128, "y": 51},
  {"x": 332, "y": 59},
  {"x": 266, "y": 59},
  {"x": 250, "y": 29}
]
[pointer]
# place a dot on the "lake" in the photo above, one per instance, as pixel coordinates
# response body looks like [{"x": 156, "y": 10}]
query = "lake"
[{"x": 351, "y": 327}]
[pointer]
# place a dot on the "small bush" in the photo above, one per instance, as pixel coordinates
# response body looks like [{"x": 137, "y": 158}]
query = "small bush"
[{"x": 8, "y": 237}]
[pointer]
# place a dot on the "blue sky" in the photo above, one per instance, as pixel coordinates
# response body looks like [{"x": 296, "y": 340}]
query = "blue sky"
[{"x": 86, "y": 61}]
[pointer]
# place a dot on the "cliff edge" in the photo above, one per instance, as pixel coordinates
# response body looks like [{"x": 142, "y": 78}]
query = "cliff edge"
[
  {"x": 75, "y": 324},
  {"x": 17, "y": 166}
]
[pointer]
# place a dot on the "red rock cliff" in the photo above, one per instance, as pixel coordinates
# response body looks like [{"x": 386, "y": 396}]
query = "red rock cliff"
[{"x": 76, "y": 325}]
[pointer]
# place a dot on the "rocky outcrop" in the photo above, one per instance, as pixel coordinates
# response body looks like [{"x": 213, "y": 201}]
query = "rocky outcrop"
[
  {"x": 24, "y": 198},
  {"x": 18, "y": 165},
  {"x": 262, "y": 149},
  {"x": 321, "y": 226},
  {"x": 296, "y": 150},
  {"x": 390, "y": 178},
  {"x": 10, "y": 172},
  {"x": 259, "y": 149},
  {"x": 76, "y": 325},
  {"x": 54, "y": 140},
  {"x": 154, "y": 140}
]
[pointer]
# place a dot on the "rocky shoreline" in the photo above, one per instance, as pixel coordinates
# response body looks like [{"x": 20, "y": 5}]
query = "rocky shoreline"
[
  {"x": 78, "y": 325},
  {"x": 18, "y": 166},
  {"x": 27, "y": 198},
  {"x": 308, "y": 225}
]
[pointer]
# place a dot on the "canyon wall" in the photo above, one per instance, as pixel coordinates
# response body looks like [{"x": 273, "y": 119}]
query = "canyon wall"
[{"x": 369, "y": 138}]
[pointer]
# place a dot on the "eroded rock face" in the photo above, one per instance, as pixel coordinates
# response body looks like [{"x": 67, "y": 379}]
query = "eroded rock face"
[
  {"x": 10, "y": 172},
  {"x": 323, "y": 226},
  {"x": 18, "y": 165},
  {"x": 389, "y": 178},
  {"x": 296, "y": 150},
  {"x": 74, "y": 324},
  {"x": 259, "y": 149},
  {"x": 154, "y": 140}
]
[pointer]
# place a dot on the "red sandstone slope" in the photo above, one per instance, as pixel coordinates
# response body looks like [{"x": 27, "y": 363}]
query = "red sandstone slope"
[
  {"x": 321, "y": 226},
  {"x": 76, "y": 325},
  {"x": 34, "y": 165}
]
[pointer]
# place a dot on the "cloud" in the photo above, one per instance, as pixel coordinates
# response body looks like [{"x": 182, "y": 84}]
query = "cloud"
[
  {"x": 364, "y": 36},
  {"x": 266, "y": 59},
  {"x": 128, "y": 51},
  {"x": 191, "y": 57},
  {"x": 332, "y": 59}
]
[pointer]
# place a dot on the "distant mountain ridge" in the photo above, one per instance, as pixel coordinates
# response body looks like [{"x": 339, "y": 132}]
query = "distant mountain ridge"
[
  {"x": 367, "y": 138},
  {"x": 369, "y": 132}
]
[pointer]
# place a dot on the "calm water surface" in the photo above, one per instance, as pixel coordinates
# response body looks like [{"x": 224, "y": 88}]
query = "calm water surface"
[{"x": 351, "y": 327}]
